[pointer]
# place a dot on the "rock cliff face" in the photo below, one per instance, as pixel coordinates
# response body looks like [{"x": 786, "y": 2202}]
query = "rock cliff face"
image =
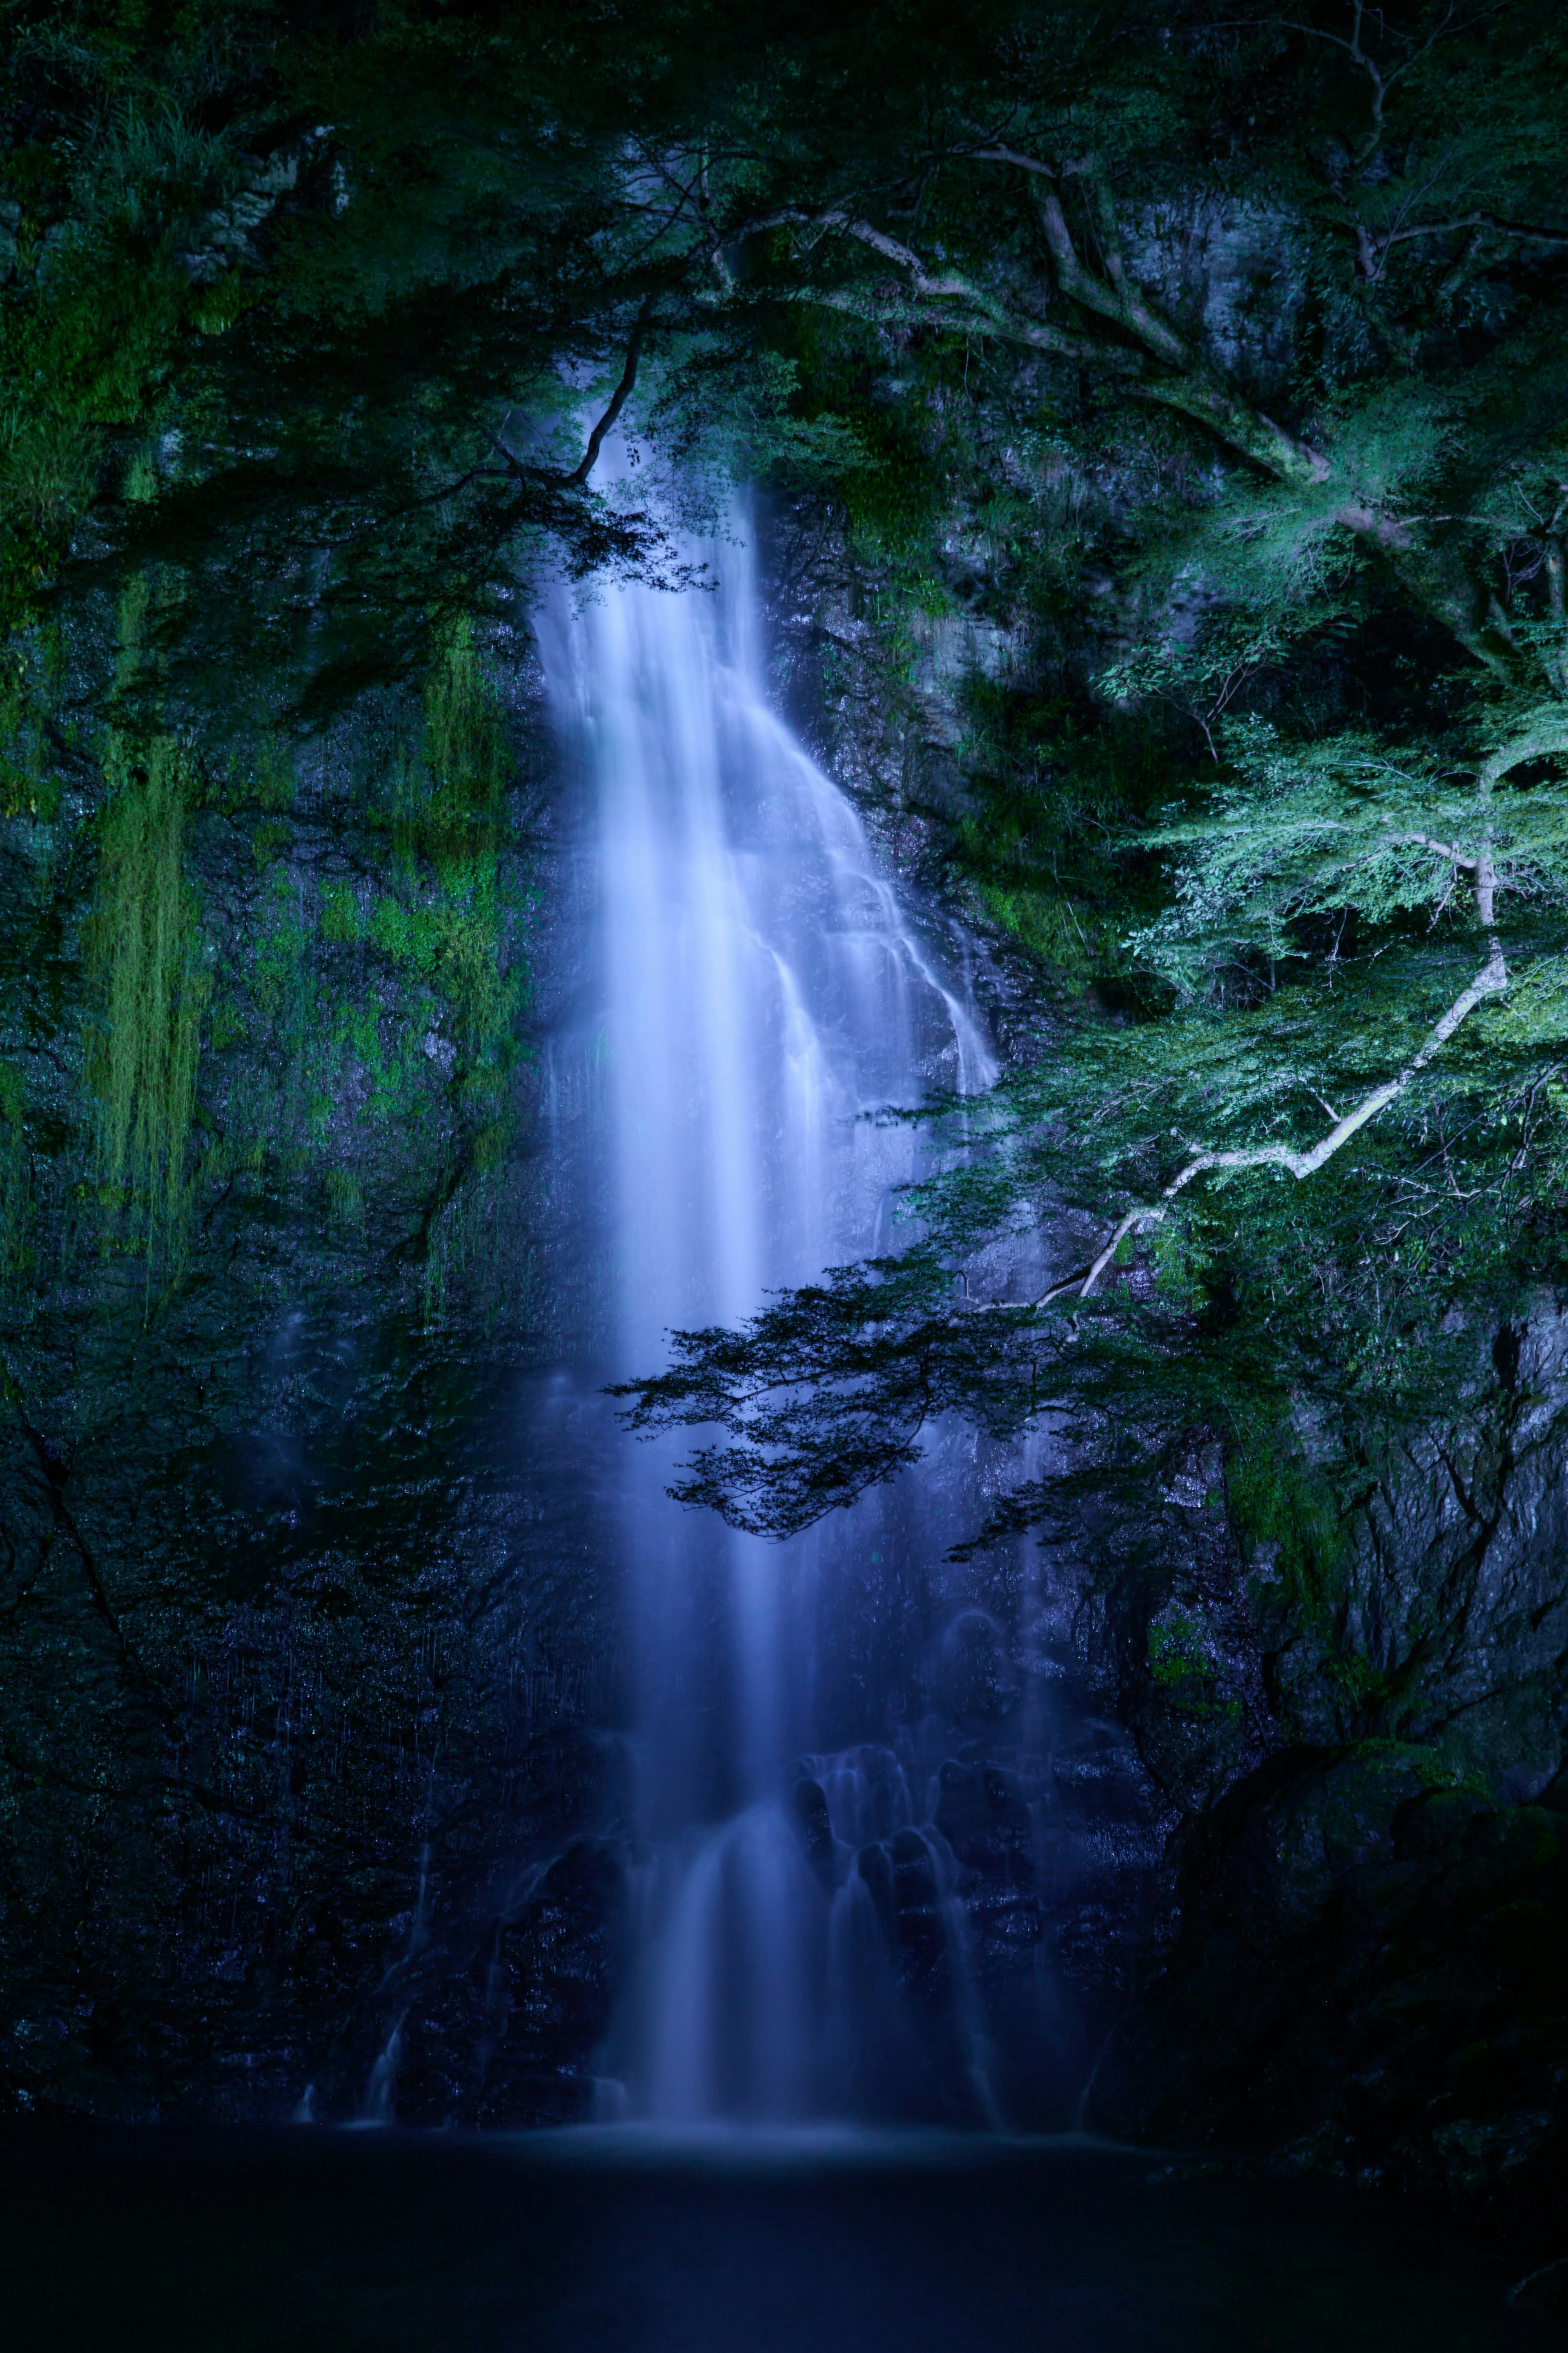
[
  {"x": 313, "y": 1791},
  {"x": 1353, "y": 1959},
  {"x": 285, "y": 1633},
  {"x": 1343, "y": 1733}
]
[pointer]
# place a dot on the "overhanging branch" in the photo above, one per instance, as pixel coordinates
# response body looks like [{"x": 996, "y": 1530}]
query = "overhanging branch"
[
  {"x": 1547, "y": 736},
  {"x": 1489, "y": 981}
]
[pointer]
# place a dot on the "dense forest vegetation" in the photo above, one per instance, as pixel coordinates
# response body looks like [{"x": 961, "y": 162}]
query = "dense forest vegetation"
[
  {"x": 1210, "y": 371},
  {"x": 299, "y": 316}
]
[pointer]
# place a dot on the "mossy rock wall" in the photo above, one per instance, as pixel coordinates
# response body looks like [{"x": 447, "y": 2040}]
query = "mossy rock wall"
[{"x": 282, "y": 1623}]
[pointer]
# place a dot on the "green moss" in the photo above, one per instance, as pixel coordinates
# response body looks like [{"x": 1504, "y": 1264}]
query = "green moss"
[
  {"x": 270, "y": 838},
  {"x": 407, "y": 935},
  {"x": 346, "y": 1200},
  {"x": 341, "y": 920},
  {"x": 1053, "y": 789},
  {"x": 227, "y": 1026},
  {"x": 151, "y": 991},
  {"x": 1043, "y": 921},
  {"x": 27, "y": 789},
  {"x": 259, "y": 775},
  {"x": 1178, "y": 1650},
  {"x": 490, "y": 1144},
  {"x": 278, "y": 969},
  {"x": 1183, "y": 1669},
  {"x": 1438, "y": 1770},
  {"x": 29, "y": 782},
  {"x": 1359, "y": 1680},
  {"x": 442, "y": 920},
  {"x": 1276, "y": 1498},
  {"x": 454, "y": 824}
]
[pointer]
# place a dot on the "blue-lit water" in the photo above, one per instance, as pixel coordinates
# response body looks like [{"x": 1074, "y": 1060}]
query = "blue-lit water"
[
  {"x": 707, "y": 2241},
  {"x": 762, "y": 992}
]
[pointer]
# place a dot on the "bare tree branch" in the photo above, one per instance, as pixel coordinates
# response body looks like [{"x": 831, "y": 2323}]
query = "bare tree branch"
[
  {"x": 1155, "y": 363},
  {"x": 618, "y": 398}
]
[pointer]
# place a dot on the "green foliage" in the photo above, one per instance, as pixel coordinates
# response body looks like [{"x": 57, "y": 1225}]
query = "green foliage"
[
  {"x": 1340, "y": 830},
  {"x": 102, "y": 296},
  {"x": 723, "y": 412}
]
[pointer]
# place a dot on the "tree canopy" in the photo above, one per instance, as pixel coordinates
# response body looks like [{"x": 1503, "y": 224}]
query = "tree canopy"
[{"x": 1233, "y": 347}]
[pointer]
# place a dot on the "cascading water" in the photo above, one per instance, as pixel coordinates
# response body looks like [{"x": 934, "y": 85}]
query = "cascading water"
[{"x": 763, "y": 988}]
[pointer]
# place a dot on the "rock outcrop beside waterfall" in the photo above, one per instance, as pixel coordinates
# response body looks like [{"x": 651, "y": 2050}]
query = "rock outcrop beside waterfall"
[
  {"x": 283, "y": 1624},
  {"x": 1343, "y": 1959},
  {"x": 1354, "y": 1961},
  {"x": 307, "y": 1676}
]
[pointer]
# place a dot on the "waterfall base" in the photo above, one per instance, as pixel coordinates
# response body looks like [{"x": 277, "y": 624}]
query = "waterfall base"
[
  {"x": 618, "y": 2243},
  {"x": 811, "y": 1957}
]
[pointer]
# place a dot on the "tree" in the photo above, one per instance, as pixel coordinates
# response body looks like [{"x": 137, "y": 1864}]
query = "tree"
[
  {"x": 377, "y": 282},
  {"x": 1324, "y": 1124}
]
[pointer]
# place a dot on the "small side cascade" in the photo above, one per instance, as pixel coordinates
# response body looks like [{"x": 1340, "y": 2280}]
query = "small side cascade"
[{"x": 379, "y": 2105}]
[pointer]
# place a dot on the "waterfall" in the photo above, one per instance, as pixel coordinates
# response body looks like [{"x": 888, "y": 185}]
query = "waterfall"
[{"x": 762, "y": 988}]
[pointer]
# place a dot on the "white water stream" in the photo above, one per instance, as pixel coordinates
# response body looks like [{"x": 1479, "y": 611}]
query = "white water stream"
[{"x": 763, "y": 987}]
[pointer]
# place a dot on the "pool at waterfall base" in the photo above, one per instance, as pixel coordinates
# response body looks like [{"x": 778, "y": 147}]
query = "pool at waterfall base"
[{"x": 635, "y": 2240}]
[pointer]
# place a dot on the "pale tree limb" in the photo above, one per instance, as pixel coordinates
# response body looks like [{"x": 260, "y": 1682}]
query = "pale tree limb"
[
  {"x": 952, "y": 284},
  {"x": 1033, "y": 335},
  {"x": 1489, "y": 981},
  {"x": 1534, "y": 232},
  {"x": 1443, "y": 849},
  {"x": 1546, "y": 737}
]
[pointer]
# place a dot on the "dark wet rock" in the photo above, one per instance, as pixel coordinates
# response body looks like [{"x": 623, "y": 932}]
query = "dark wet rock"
[
  {"x": 985, "y": 1818},
  {"x": 915, "y": 1904},
  {"x": 1367, "y": 1973},
  {"x": 972, "y": 1680},
  {"x": 808, "y": 1802},
  {"x": 517, "y": 2096},
  {"x": 559, "y": 1958},
  {"x": 567, "y": 1780}
]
